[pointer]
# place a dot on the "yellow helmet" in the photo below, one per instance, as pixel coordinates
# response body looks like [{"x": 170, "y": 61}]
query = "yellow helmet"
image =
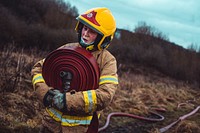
[{"x": 100, "y": 20}]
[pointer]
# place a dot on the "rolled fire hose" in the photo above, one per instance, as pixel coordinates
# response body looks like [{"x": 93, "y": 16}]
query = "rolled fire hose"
[{"x": 71, "y": 68}]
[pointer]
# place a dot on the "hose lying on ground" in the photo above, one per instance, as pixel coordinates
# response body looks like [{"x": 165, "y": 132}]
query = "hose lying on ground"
[
  {"x": 164, "y": 129},
  {"x": 161, "y": 118},
  {"x": 121, "y": 114}
]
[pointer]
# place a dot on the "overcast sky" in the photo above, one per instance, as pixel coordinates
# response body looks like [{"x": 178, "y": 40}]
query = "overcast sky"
[{"x": 179, "y": 20}]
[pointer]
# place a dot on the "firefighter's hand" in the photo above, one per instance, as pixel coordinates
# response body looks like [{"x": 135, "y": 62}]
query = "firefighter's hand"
[
  {"x": 54, "y": 98},
  {"x": 59, "y": 100}
]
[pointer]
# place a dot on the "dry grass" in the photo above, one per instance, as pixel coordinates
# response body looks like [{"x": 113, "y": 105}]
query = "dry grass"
[
  {"x": 187, "y": 127},
  {"x": 20, "y": 108}
]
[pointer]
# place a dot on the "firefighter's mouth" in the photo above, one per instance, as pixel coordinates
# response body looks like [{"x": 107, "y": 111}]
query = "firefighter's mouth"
[{"x": 85, "y": 40}]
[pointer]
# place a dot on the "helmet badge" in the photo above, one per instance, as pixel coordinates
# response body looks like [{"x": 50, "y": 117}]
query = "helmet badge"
[{"x": 91, "y": 17}]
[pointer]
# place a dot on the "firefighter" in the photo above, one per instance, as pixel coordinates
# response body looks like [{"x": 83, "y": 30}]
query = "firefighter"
[{"x": 95, "y": 28}]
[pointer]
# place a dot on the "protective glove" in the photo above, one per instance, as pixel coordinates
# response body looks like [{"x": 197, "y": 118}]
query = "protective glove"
[
  {"x": 59, "y": 100},
  {"x": 54, "y": 98}
]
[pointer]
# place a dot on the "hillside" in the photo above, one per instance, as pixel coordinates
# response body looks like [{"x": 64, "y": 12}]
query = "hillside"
[{"x": 141, "y": 89}]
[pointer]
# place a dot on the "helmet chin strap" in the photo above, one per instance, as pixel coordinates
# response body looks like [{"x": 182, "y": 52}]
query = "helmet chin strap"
[
  {"x": 87, "y": 46},
  {"x": 82, "y": 41}
]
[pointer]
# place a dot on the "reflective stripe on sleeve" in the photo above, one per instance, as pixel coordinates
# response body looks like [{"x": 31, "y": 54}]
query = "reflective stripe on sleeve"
[
  {"x": 108, "y": 79},
  {"x": 90, "y": 100},
  {"x": 37, "y": 78}
]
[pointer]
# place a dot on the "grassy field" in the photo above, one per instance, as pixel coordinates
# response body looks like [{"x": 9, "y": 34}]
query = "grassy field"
[{"x": 141, "y": 90}]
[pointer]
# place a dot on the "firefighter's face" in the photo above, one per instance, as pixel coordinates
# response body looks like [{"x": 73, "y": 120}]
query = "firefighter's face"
[{"x": 88, "y": 35}]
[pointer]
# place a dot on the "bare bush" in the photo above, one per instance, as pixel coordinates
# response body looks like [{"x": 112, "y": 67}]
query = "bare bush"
[
  {"x": 143, "y": 28},
  {"x": 15, "y": 66}
]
